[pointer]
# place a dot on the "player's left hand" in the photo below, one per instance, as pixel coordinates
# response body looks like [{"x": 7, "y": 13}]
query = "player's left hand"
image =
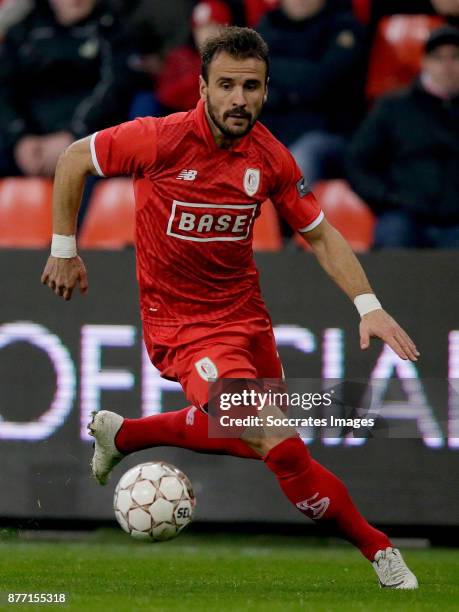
[{"x": 379, "y": 324}]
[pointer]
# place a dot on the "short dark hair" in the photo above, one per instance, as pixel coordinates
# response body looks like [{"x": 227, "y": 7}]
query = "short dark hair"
[{"x": 240, "y": 43}]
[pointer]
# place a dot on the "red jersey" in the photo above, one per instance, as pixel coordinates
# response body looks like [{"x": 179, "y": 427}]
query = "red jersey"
[{"x": 195, "y": 208}]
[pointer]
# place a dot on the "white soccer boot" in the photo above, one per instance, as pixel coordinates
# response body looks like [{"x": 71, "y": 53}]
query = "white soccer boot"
[
  {"x": 393, "y": 573},
  {"x": 103, "y": 427}
]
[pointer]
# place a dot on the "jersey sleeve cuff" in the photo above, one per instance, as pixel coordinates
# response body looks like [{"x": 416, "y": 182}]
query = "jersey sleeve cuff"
[
  {"x": 317, "y": 221},
  {"x": 95, "y": 161}
]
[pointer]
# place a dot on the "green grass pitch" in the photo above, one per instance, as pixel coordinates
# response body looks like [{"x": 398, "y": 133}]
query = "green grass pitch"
[{"x": 111, "y": 572}]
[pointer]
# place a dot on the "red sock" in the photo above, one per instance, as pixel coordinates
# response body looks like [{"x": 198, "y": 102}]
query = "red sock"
[
  {"x": 185, "y": 428},
  {"x": 321, "y": 496}
]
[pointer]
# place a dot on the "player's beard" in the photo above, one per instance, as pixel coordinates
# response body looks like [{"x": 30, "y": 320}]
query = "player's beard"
[{"x": 229, "y": 133}]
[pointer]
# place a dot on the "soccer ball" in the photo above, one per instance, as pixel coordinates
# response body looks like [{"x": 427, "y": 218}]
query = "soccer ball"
[{"x": 154, "y": 501}]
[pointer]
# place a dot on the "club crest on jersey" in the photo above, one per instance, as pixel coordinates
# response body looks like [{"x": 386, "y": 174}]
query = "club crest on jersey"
[
  {"x": 206, "y": 369},
  {"x": 251, "y": 181}
]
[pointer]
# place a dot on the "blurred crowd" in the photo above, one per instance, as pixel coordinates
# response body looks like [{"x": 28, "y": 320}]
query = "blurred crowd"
[{"x": 71, "y": 67}]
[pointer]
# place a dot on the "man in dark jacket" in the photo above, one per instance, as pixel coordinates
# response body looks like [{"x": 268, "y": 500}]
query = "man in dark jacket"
[
  {"x": 316, "y": 79},
  {"x": 63, "y": 74},
  {"x": 404, "y": 160}
]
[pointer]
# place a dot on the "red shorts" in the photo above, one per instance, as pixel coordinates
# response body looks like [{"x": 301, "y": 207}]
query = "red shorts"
[{"x": 240, "y": 346}]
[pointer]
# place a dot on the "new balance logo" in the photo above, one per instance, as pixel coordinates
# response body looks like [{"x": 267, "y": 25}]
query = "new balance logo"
[
  {"x": 187, "y": 175},
  {"x": 314, "y": 509}
]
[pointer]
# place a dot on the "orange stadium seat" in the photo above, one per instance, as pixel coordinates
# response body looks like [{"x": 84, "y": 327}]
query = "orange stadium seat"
[
  {"x": 110, "y": 220},
  {"x": 25, "y": 212},
  {"x": 397, "y": 50},
  {"x": 266, "y": 231},
  {"x": 347, "y": 212}
]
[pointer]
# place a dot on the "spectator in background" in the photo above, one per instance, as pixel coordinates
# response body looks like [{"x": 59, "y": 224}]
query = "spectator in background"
[
  {"x": 158, "y": 27},
  {"x": 178, "y": 83},
  {"x": 317, "y": 80},
  {"x": 63, "y": 75},
  {"x": 255, "y": 9},
  {"x": 12, "y": 11},
  {"x": 238, "y": 11},
  {"x": 404, "y": 160}
]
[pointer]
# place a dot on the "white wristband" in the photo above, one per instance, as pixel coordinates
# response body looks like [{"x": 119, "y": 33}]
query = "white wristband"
[
  {"x": 367, "y": 302},
  {"x": 63, "y": 247}
]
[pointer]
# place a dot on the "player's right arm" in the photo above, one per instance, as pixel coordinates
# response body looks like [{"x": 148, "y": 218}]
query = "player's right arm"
[
  {"x": 127, "y": 149},
  {"x": 64, "y": 269}
]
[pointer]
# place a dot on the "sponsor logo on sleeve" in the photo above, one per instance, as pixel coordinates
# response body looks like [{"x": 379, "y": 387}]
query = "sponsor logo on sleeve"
[{"x": 302, "y": 187}]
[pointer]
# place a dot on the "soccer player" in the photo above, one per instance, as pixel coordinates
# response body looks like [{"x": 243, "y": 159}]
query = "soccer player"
[{"x": 199, "y": 179}]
